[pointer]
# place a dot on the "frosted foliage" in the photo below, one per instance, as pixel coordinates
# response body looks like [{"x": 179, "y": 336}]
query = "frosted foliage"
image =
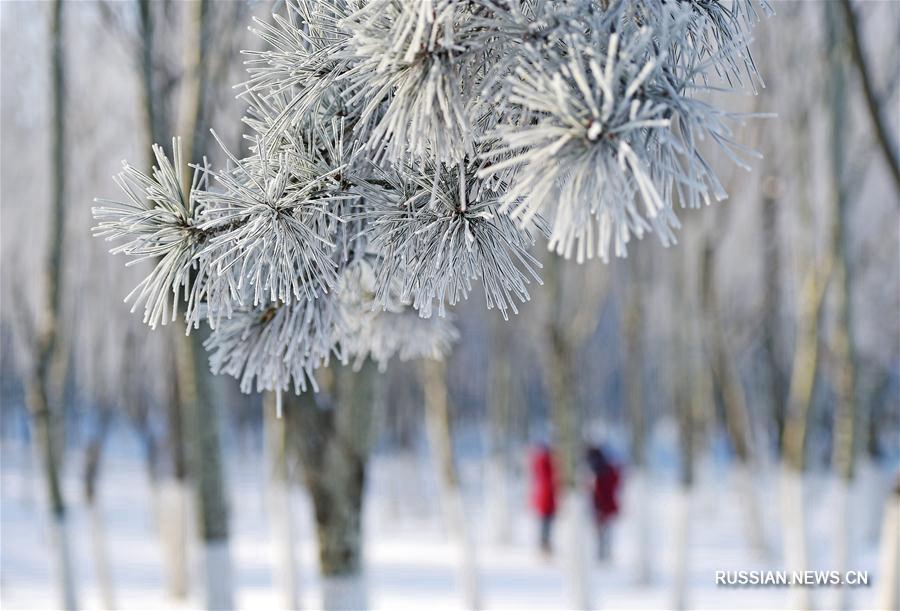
[
  {"x": 404, "y": 153},
  {"x": 261, "y": 346}
]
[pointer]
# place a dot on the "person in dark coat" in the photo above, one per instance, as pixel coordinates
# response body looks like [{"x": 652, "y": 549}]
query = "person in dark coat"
[
  {"x": 605, "y": 496},
  {"x": 543, "y": 493}
]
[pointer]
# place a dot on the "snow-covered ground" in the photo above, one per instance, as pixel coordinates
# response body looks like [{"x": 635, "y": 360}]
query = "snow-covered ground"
[{"x": 410, "y": 563}]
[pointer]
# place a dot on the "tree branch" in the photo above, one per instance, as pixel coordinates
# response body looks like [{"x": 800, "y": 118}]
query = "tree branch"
[{"x": 888, "y": 148}]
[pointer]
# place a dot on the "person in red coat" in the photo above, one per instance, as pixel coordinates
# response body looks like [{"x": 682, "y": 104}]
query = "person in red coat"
[
  {"x": 605, "y": 495},
  {"x": 543, "y": 492}
]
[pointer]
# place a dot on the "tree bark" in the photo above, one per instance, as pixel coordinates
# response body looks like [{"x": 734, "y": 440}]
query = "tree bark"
[
  {"x": 776, "y": 382},
  {"x": 560, "y": 378},
  {"x": 691, "y": 391},
  {"x": 281, "y": 515},
  {"x": 844, "y": 370},
  {"x": 500, "y": 407},
  {"x": 873, "y": 104},
  {"x": 205, "y": 466},
  {"x": 45, "y": 417},
  {"x": 726, "y": 378},
  {"x": 201, "y": 426},
  {"x": 635, "y": 363},
  {"x": 99, "y": 547},
  {"x": 331, "y": 435},
  {"x": 173, "y": 488},
  {"x": 889, "y": 554},
  {"x": 440, "y": 437}
]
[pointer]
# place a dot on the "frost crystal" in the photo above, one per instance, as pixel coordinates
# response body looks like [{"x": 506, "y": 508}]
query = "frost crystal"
[{"x": 404, "y": 151}]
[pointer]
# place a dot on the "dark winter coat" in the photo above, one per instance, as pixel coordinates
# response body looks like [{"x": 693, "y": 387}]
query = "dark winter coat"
[{"x": 606, "y": 492}]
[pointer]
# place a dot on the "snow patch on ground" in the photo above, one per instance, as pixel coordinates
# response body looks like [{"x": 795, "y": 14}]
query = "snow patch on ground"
[{"x": 409, "y": 559}]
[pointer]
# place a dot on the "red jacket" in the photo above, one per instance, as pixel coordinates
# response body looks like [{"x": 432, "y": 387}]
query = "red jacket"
[
  {"x": 606, "y": 492},
  {"x": 543, "y": 492}
]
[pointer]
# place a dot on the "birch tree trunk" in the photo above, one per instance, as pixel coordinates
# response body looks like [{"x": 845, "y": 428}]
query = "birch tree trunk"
[
  {"x": 173, "y": 487},
  {"x": 99, "y": 547},
  {"x": 804, "y": 371},
  {"x": 691, "y": 389},
  {"x": 440, "y": 437},
  {"x": 803, "y": 376},
  {"x": 771, "y": 332},
  {"x": 637, "y": 417},
  {"x": 500, "y": 406},
  {"x": 560, "y": 378},
  {"x": 281, "y": 515},
  {"x": 844, "y": 371},
  {"x": 331, "y": 437},
  {"x": 726, "y": 379},
  {"x": 201, "y": 426},
  {"x": 889, "y": 554},
  {"x": 44, "y": 416},
  {"x": 205, "y": 466}
]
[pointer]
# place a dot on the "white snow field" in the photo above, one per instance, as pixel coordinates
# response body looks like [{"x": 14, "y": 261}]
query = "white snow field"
[{"x": 409, "y": 562}]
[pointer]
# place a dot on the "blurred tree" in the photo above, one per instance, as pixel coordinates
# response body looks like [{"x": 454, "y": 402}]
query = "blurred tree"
[
  {"x": 875, "y": 102},
  {"x": 281, "y": 512},
  {"x": 330, "y": 433},
  {"x": 728, "y": 385},
  {"x": 440, "y": 437},
  {"x": 635, "y": 363},
  {"x": 503, "y": 411},
  {"x": 843, "y": 375},
  {"x": 43, "y": 332},
  {"x": 573, "y": 312}
]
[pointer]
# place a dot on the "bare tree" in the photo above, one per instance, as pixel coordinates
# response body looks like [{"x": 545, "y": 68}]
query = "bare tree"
[
  {"x": 440, "y": 437},
  {"x": 727, "y": 380},
  {"x": 281, "y": 514},
  {"x": 875, "y": 102},
  {"x": 776, "y": 383},
  {"x": 690, "y": 393},
  {"x": 43, "y": 333},
  {"x": 501, "y": 409},
  {"x": 634, "y": 364},
  {"x": 331, "y": 435},
  {"x": 570, "y": 322},
  {"x": 842, "y": 342},
  {"x": 90, "y": 478}
]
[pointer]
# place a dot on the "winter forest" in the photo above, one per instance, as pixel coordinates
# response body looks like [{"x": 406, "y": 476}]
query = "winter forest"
[{"x": 482, "y": 304}]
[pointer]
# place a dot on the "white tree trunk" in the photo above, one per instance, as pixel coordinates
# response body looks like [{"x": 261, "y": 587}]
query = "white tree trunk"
[
  {"x": 101, "y": 556},
  {"x": 641, "y": 503},
  {"x": 173, "y": 512},
  {"x": 283, "y": 540},
  {"x": 65, "y": 571},
  {"x": 497, "y": 496},
  {"x": 844, "y": 537},
  {"x": 467, "y": 571},
  {"x": 793, "y": 515},
  {"x": 889, "y": 556},
  {"x": 217, "y": 575},
  {"x": 749, "y": 500},
  {"x": 576, "y": 545},
  {"x": 437, "y": 422},
  {"x": 682, "y": 508},
  {"x": 873, "y": 493},
  {"x": 344, "y": 593},
  {"x": 281, "y": 524}
]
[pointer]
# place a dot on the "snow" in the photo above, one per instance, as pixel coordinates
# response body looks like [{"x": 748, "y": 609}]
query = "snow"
[{"x": 409, "y": 561}]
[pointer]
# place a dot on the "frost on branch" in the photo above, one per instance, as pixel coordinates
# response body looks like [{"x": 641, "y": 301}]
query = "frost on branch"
[
  {"x": 277, "y": 346},
  {"x": 158, "y": 221},
  {"x": 403, "y": 151},
  {"x": 413, "y": 76},
  {"x": 439, "y": 231},
  {"x": 606, "y": 130}
]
